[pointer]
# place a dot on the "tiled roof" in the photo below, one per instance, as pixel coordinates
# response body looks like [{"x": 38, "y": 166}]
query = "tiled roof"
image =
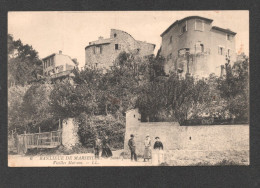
[
  {"x": 49, "y": 56},
  {"x": 99, "y": 42},
  {"x": 224, "y": 30}
]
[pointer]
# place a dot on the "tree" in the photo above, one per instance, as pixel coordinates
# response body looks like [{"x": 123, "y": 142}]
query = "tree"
[
  {"x": 235, "y": 90},
  {"x": 23, "y": 62},
  {"x": 92, "y": 126},
  {"x": 36, "y": 106},
  {"x": 171, "y": 98},
  {"x": 15, "y": 113}
]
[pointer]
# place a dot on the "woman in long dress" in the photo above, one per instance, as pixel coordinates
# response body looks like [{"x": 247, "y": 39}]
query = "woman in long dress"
[
  {"x": 106, "y": 152},
  {"x": 147, "y": 148},
  {"x": 158, "y": 155}
]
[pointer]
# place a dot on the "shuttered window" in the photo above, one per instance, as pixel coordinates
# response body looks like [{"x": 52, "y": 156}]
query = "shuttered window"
[{"x": 199, "y": 25}]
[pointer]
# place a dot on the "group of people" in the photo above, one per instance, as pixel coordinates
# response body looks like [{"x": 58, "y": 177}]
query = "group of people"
[
  {"x": 156, "y": 155},
  {"x": 104, "y": 145}
]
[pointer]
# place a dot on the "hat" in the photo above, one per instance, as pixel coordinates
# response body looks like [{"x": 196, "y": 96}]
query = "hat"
[
  {"x": 131, "y": 135},
  {"x": 156, "y": 137}
]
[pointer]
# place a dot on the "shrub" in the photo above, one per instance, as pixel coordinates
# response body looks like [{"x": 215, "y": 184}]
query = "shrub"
[
  {"x": 225, "y": 162},
  {"x": 92, "y": 126}
]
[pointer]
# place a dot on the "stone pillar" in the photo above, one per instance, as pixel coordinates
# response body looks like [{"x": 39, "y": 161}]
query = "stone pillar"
[
  {"x": 70, "y": 136},
  {"x": 133, "y": 119}
]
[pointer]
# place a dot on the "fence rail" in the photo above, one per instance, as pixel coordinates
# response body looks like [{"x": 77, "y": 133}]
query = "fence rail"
[{"x": 39, "y": 140}]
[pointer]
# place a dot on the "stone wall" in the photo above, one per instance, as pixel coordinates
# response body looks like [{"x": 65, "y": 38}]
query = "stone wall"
[
  {"x": 69, "y": 133},
  {"x": 187, "y": 138}
]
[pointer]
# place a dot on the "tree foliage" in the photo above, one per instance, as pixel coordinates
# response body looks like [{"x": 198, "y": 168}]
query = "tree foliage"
[
  {"x": 23, "y": 62},
  {"x": 92, "y": 126},
  {"x": 15, "y": 100},
  {"x": 36, "y": 106},
  {"x": 235, "y": 90},
  {"x": 169, "y": 99}
]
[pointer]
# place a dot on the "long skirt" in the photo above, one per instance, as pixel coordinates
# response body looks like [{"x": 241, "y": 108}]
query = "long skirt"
[
  {"x": 106, "y": 152},
  {"x": 158, "y": 157},
  {"x": 147, "y": 153}
]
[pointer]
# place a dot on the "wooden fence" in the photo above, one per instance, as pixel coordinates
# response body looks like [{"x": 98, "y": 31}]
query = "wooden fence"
[{"x": 38, "y": 140}]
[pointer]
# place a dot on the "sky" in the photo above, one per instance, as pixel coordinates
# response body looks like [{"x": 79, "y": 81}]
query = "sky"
[{"x": 71, "y": 32}]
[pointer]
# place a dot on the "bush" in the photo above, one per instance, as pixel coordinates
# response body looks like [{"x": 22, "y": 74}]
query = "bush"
[
  {"x": 225, "y": 162},
  {"x": 92, "y": 126}
]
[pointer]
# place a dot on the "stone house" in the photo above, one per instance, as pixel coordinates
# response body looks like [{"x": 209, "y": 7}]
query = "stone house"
[
  {"x": 103, "y": 52},
  {"x": 57, "y": 65},
  {"x": 193, "y": 45}
]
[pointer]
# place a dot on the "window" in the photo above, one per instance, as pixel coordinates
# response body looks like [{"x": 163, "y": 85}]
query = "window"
[
  {"x": 199, "y": 47},
  {"x": 184, "y": 28},
  {"x": 117, "y": 47},
  {"x": 170, "y": 40},
  {"x": 220, "y": 50},
  {"x": 199, "y": 25},
  {"x": 94, "y": 49},
  {"x": 99, "y": 49},
  {"x": 115, "y": 35},
  {"x": 228, "y": 37},
  {"x": 60, "y": 68},
  {"x": 228, "y": 52}
]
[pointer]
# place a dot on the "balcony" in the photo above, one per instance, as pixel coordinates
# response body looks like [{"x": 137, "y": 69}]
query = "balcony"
[{"x": 61, "y": 74}]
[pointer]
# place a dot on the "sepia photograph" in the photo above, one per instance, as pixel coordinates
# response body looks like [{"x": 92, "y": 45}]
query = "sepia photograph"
[{"x": 128, "y": 88}]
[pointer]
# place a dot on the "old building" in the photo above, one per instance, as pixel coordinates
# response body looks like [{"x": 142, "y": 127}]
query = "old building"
[
  {"x": 58, "y": 65},
  {"x": 103, "y": 52},
  {"x": 193, "y": 45}
]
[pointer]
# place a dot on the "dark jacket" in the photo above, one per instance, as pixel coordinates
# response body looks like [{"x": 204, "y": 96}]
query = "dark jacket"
[
  {"x": 158, "y": 145},
  {"x": 105, "y": 143},
  {"x": 131, "y": 144}
]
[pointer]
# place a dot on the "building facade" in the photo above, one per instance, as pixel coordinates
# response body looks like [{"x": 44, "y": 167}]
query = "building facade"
[
  {"x": 192, "y": 45},
  {"x": 103, "y": 52},
  {"x": 57, "y": 65}
]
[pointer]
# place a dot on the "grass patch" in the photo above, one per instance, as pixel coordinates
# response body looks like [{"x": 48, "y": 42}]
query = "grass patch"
[{"x": 225, "y": 162}]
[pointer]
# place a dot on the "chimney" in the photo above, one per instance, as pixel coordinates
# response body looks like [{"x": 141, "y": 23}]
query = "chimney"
[
  {"x": 60, "y": 52},
  {"x": 100, "y": 38}
]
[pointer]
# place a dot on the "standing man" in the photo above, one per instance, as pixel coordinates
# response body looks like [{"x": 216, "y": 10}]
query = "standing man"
[
  {"x": 97, "y": 147},
  {"x": 131, "y": 144}
]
